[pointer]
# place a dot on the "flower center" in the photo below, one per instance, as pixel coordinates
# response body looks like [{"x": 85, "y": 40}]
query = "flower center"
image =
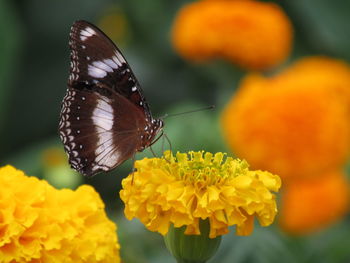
[{"x": 203, "y": 167}]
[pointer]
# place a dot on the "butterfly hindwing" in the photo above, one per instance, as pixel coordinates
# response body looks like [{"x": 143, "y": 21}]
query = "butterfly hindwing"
[{"x": 93, "y": 131}]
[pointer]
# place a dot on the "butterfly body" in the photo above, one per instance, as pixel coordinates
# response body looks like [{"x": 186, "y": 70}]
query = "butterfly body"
[{"x": 105, "y": 118}]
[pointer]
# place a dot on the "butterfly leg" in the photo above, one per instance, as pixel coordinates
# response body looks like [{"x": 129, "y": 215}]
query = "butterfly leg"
[
  {"x": 153, "y": 142},
  {"x": 133, "y": 169},
  {"x": 154, "y": 154},
  {"x": 170, "y": 147},
  {"x": 167, "y": 138},
  {"x": 163, "y": 139}
]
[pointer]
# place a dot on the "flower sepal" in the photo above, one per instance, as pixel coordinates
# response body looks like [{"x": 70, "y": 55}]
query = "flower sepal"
[{"x": 192, "y": 248}]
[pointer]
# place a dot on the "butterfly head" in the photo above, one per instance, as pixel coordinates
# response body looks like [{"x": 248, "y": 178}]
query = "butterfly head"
[
  {"x": 151, "y": 130},
  {"x": 158, "y": 125}
]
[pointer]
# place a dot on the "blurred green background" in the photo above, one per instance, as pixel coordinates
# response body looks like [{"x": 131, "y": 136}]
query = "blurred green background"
[{"x": 34, "y": 64}]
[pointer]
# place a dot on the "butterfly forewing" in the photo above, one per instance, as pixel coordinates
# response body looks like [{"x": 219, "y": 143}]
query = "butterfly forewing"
[
  {"x": 104, "y": 118},
  {"x": 95, "y": 58}
]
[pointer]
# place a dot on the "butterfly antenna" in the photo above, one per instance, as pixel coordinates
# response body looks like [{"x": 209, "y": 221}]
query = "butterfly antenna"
[{"x": 185, "y": 112}]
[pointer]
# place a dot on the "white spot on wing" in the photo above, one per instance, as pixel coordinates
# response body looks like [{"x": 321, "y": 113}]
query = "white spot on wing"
[
  {"x": 87, "y": 32},
  {"x": 111, "y": 63},
  {"x": 102, "y": 116},
  {"x": 108, "y": 160},
  {"x": 90, "y": 30},
  {"x": 96, "y": 72},
  {"x": 115, "y": 59},
  {"x": 105, "y": 144},
  {"x": 102, "y": 65},
  {"x": 120, "y": 57}
]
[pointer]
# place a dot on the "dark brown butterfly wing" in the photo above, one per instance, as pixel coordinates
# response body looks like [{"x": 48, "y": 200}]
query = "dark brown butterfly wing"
[
  {"x": 99, "y": 132},
  {"x": 104, "y": 118},
  {"x": 95, "y": 59}
]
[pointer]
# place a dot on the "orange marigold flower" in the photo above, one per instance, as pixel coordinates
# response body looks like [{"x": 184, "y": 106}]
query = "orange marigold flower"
[
  {"x": 323, "y": 71},
  {"x": 39, "y": 223},
  {"x": 252, "y": 34},
  {"x": 292, "y": 124},
  {"x": 309, "y": 205}
]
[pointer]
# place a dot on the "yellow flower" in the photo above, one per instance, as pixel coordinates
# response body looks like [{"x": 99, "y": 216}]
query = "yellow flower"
[
  {"x": 311, "y": 204},
  {"x": 41, "y": 224},
  {"x": 185, "y": 189},
  {"x": 252, "y": 34},
  {"x": 295, "y": 124}
]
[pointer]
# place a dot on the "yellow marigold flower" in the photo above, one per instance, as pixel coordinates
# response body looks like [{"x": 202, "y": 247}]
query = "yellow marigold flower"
[
  {"x": 295, "y": 125},
  {"x": 185, "y": 189},
  {"x": 41, "y": 224},
  {"x": 252, "y": 34},
  {"x": 309, "y": 205}
]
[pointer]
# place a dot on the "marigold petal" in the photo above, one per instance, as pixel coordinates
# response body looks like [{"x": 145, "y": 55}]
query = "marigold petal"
[{"x": 246, "y": 228}]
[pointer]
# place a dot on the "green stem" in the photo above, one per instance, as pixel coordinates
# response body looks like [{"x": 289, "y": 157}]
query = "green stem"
[{"x": 191, "y": 248}]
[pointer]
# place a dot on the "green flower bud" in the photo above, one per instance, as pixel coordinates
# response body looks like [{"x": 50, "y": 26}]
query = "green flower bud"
[{"x": 192, "y": 248}]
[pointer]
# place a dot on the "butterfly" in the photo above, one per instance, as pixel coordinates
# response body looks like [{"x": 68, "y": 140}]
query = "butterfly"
[{"x": 105, "y": 118}]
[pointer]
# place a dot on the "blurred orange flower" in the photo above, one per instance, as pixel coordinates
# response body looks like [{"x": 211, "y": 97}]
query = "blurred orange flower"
[
  {"x": 254, "y": 35},
  {"x": 308, "y": 205},
  {"x": 294, "y": 124},
  {"x": 333, "y": 73}
]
